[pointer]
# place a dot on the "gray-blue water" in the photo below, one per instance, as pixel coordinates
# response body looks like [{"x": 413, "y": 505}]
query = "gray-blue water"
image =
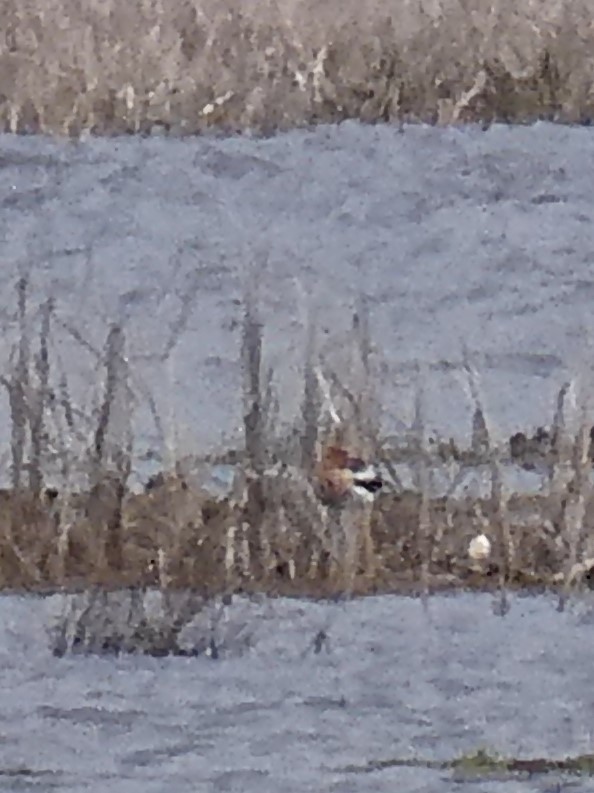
[{"x": 394, "y": 682}]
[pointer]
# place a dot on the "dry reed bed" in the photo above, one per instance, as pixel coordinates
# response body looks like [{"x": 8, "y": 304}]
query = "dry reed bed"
[
  {"x": 70, "y": 519},
  {"x": 67, "y": 66}
]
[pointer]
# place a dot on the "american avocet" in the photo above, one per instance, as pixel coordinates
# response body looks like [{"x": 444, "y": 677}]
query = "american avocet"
[{"x": 341, "y": 474}]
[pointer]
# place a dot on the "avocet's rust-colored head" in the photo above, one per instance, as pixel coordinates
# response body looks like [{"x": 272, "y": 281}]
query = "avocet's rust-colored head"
[{"x": 341, "y": 474}]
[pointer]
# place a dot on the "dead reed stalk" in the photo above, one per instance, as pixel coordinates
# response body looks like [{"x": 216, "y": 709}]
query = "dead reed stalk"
[
  {"x": 251, "y": 356},
  {"x": 257, "y": 399},
  {"x": 483, "y": 442},
  {"x": 576, "y": 497},
  {"x": 40, "y": 400},
  {"x": 18, "y": 388},
  {"x": 310, "y": 406},
  {"x": 111, "y": 452},
  {"x": 422, "y": 481}
]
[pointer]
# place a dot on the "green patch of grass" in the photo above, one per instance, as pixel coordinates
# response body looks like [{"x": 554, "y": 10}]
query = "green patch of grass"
[{"x": 483, "y": 763}]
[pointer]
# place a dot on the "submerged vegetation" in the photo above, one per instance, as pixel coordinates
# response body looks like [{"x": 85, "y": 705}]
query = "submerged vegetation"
[{"x": 105, "y": 67}]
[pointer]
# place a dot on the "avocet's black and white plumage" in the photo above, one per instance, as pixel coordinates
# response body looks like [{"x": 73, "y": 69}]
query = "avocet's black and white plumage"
[{"x": 340, "y": 473}]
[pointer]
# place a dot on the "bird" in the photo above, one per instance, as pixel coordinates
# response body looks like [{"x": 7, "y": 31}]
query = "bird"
[{"x": 340, "y": 474}]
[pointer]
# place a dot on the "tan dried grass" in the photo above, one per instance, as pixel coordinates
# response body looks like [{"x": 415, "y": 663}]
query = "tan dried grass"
[{"x": 69, "y": 66}]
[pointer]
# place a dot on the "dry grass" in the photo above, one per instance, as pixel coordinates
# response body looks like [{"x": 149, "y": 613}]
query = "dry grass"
[{"x": 69, "y": 66}]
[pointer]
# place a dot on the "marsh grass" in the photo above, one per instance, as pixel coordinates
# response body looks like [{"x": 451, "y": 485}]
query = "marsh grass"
[
  {"x": 68, "y": 67},
  {"x": 71, "y": 519}
]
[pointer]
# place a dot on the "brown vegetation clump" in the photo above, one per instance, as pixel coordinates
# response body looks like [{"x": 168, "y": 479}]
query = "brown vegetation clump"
[{"x": 109, "y": 67}]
